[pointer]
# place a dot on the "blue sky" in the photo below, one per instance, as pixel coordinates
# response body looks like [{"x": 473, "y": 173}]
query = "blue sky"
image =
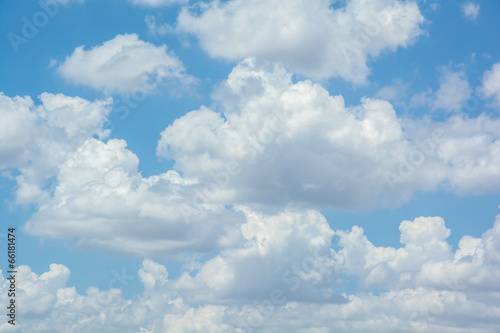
[{"x": 184, "y": 158}]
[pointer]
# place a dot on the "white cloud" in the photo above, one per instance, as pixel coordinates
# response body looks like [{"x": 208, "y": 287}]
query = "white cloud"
[
  {"x": 491, "y": 83},
  {"x": 424, "y": 241},
  {"x": 453, "y": 91},
  {"x": 35, "y": 139},
  {"x": 279, "y": 253},
  {"x": 101, "y": 198},
  {"x": 294, "y": 143},
  {"x": 157, "y": 29},
  {"x": 124, "y": 64},
  {"x": 18, "y": 121},
  {"x": 472, "y": 154},
  {"x": 310, "y": 37},
  {"x": 203, "y": 319},
  {"x": 426, "y": 260},
  {"x": 425, "y": 286},
  {"x": 158, "y": 3},
  {"x": 269, "y": 124},
  {"x": 46, "y": 304},
  {"x": 470, "y": 10},
  {"x": 395, "y": 92}
]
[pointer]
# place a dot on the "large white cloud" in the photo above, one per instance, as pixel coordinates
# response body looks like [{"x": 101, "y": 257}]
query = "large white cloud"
[
  {"x": 311, "y": 37},
  {"x": 35, "y": 139},
  {"x": 280, "y": 255},
  {"x": 425, "y": 286},
  {"x": 101, "y": 198},
  {"x": 124, "y": 64},
  {"x": 276, "y": 143},
  {"x": 294, "y": 143}
]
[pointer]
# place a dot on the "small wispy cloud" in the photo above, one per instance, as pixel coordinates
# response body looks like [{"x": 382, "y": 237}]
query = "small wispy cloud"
[
  {"x": 158, "y": 29},
  {"x": 470, "y": 10}
]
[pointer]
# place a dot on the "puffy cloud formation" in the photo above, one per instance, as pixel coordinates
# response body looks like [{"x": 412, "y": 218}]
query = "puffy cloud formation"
[
  {"x": 157, "y": 3},
  {"x": 102, "y": 199},
  {"x": 125, "y": 65},
  {"x": 425, "y": 286},
  {"x": 470, "y": 10},
  {"x": 491, "y": 83},
  {"x": 36, "y": 139},
  {"x": 294, "y": 143},
  {"x": 470, "y": 155},
  {"x": 453, "y": 91},
  {"x": 279, "y": 256},
  {"x": 275, "y": 143},
  {"x": 424, "y": 241},
  {"x": 251, "y": 173},
  {"x": 312, "y": 38},
  {"x": 48, "y": 305}
]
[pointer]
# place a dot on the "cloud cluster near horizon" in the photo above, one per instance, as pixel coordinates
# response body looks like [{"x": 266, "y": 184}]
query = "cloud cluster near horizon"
[{"x": 423, "y": 285}]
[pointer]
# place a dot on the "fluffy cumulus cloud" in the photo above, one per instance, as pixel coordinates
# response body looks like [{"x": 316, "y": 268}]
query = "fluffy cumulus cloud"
[
  {"x": 276, "y": 249},
  {"x": 124, "y": 64},
  {"x": 310, "y": 37},
  {"x": 491, "y": 83},
  {"x": 252, "y": 171},
  {"x": 425, "y": 244},
  {"x": 470, "y": 10},
  {"x": 101, "y": 198},
  {"x": 424, "y": 285},
  {"x": 251, "y": 153},
  {"x": 36, "y": 139},
  {"x": 470, "y": 154},
  {"x": 295, "y": 143}
]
